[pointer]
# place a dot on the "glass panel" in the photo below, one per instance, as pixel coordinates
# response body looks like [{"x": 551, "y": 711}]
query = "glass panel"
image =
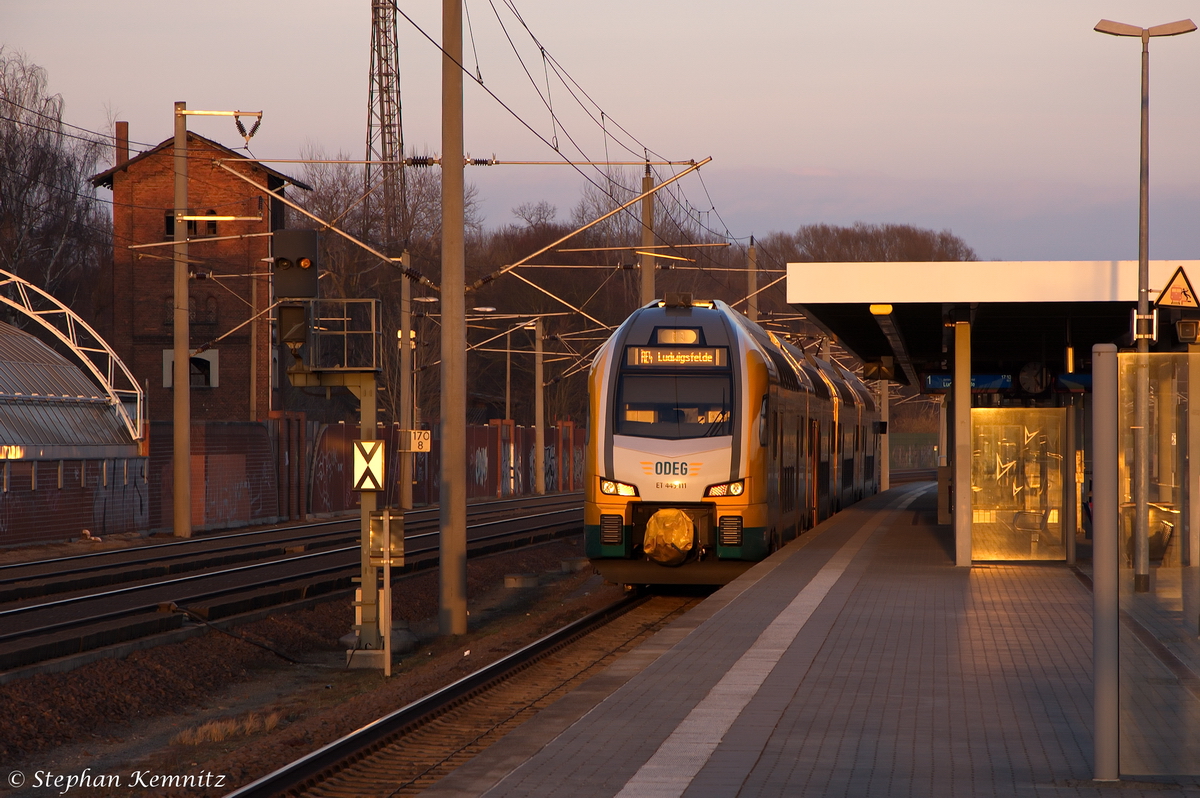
[
  {"x": 1160, "y": 529},
  {"x": 675, "y": 407},
  {"x": 1017, "y": 483}
]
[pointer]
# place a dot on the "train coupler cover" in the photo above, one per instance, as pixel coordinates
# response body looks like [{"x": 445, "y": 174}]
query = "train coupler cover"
[{"x": 670, "y": 537}]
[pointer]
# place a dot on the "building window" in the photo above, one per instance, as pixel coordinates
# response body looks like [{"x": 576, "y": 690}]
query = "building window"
[
  {"x": 203, "y": 311},
  {"x": 205, "y": 369},
  {"x": 201, "y": 373},
  {"x": 169, "y": 226},
  {"x": 200, "y": 311},
  {"x": 210, "y": 307},
  {"x": 210, "y": 228}
]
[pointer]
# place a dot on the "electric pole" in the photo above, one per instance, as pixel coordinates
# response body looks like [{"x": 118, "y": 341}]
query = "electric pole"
[
  {"x": 752, "y": 283},
  {"x": 539, "y": 412},
  {"x": 452, "y": 616},
  {"x": 406, "y": 382},
  {"x": 385, "y": 131},
  {"x": 647, "y": 256},
  {"x": 181, "y": 373}
]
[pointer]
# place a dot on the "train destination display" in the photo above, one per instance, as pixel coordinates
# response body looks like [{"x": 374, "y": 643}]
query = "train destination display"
[{"x": 652, "y": 356}]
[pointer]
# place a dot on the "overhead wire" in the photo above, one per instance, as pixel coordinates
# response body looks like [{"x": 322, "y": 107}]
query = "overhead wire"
[
  {"x": 552, "y": 63},
  {"x": 59, "y": 120},
  {"x": 560, "y": 72},
  {"x": 52, "y": 130}
]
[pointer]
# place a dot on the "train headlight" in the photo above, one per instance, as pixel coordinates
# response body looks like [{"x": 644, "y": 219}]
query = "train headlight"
[
  {"x": 610, "y": 487},
  {"x": 726, "y": 489}
]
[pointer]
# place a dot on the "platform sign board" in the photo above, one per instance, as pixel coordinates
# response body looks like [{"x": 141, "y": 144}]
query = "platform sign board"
[
  {"x": 415, "y": 440},
  {"x": 1178, "y": 293},
  {"x": 368, "y": 465},
  {"x": 980, "y": 383}
]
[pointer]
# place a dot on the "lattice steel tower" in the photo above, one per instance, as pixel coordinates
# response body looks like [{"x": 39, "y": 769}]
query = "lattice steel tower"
[{"x": 385, "y": 136}]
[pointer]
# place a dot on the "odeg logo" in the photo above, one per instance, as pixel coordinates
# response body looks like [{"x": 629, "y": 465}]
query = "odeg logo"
[{"x": 670, "y": 469}]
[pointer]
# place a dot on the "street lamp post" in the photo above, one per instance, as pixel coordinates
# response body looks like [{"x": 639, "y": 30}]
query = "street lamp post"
[{"x": 1142, "y": 325}]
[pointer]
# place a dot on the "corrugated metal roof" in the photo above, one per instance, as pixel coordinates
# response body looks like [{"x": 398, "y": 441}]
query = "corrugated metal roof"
[{"x": 46, "y": 401}]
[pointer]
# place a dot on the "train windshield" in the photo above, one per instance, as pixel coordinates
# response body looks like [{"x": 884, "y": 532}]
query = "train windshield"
[{"x": 685, "y": 406}]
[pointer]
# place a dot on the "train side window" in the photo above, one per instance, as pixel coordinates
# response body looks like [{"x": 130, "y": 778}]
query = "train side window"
[{"x": 762, "y": 422}]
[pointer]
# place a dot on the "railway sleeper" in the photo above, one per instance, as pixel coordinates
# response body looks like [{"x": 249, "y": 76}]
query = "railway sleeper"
[
  {"x": 17, "y": 653},
  {"x": 40, "y": 586},
  {"x": 270, "y": 596}
]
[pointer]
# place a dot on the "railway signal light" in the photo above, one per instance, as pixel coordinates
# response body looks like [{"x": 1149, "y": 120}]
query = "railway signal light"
[{"x": 295, "y": 264}]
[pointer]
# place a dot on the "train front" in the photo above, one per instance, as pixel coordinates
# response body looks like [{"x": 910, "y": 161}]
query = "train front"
[{"x": 672, "y": 496}]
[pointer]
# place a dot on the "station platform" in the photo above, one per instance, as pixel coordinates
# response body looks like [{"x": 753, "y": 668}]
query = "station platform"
[{"x": 856, "y": 661}]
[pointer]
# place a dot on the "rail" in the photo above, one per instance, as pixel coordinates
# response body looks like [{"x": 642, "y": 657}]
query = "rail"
[{"x": 362, "y": 741}]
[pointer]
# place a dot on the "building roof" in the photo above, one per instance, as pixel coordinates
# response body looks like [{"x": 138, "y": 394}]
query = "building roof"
[
  {"x": 49, "y": 409},
  {"x": 1021, "y": 312},
  {"x": 975, "y": 281},
  {"x": 105, "y": 178}
]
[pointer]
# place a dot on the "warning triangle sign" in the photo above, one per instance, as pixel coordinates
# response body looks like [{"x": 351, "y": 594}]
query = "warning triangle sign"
[{"x": 1178, "y": 293}]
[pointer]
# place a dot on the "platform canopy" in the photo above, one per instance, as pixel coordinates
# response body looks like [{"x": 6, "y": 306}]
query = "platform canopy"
[{"x": 1022, "y": 312}]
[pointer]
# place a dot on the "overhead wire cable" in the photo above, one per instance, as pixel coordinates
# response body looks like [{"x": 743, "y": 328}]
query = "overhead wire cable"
[
  {"x": 550, "y": 60},
  {"x": 471, "y": 35},
  {"x": 494, "y": 96},
  {"x": 59, "y": 120}
]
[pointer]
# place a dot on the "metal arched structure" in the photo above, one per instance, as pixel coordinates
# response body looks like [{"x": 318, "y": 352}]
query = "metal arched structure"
[{"x": 92, "y": 351}]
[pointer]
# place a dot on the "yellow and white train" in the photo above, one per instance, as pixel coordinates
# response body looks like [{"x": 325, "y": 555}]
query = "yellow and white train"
[{"x": 713, "y": 442}]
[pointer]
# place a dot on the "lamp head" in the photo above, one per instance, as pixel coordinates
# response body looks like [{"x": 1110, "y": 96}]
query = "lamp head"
[
  {"x": 1168, "y": 29},
  {"x": 1117, "y": 28}
]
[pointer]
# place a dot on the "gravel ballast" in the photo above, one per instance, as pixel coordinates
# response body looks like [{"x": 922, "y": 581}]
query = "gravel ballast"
[{"x": 257, "y": 710}]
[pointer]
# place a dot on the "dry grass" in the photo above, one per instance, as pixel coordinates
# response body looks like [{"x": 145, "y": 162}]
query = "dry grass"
[{"x": 216, "y": 731}]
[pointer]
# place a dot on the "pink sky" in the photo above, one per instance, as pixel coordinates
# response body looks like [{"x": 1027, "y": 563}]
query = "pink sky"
[{"x": 1014, "y": 125}]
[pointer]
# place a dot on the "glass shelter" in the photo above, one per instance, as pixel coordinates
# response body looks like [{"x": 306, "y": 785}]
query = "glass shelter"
[{"x": 1159, "y": 577}]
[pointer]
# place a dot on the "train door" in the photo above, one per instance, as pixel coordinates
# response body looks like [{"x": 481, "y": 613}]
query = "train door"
[
  {"x": 859, "y": 484},
  {"x": 786, "y": 472},
  {"x": 872, "y": 446},
  {"x": 812, "y": 482},
  {"x": 851, "y": 465},
  {"x": 773, "y": 454},
  {"x": 825, "y": 472},
  {"x": 847, "y": 454},
  {"x": 798, "y": 477}
]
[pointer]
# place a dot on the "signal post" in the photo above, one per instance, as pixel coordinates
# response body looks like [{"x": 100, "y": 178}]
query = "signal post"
[{"x": 338, "y": 343}]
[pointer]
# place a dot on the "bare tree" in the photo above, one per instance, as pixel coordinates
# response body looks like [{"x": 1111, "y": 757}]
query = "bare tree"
[
  {"x": 54, "y": 231},
  {"x": 825, "y": 243},
  {"x": 536, "y": 214}
]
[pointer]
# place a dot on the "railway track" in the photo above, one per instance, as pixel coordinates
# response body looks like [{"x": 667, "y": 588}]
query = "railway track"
[
  {"x": 63, "y": 607},
  {"x": 408, "y": 750}
]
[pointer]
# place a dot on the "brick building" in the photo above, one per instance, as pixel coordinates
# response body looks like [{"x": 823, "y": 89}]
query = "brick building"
[{"x": 232, "y": 380}]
